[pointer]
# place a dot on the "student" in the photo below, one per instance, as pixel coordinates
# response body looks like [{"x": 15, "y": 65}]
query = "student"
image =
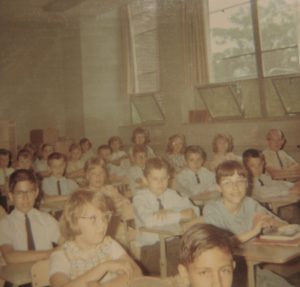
[
  {"x": 26, "y": 234},
  {"x": 205, "y": 258},
  {"x": 262, "y": 184},
  {"x": 241, "y": 215},
  {"x": 41, "y": 164},
  {"x": 89, "y": 257},
  {"x": 118, "y": 156},
  {"x": 194, "y": 178},
  {"x": 158, "y": 205},
  {"x": 75, "y": 165},
  {"x": 86, "y": 149},
  {"x": 5, "y": 169},
  {"x": 222, "y": 148},
  {"x": 175, "y": 152},
  {"x": 276, "y": 158},
  {"x": 141, "y": 136},
  {"x": 57, "y": 187},
  {"x": 24, "y": 160},
  {"x": 135, "y": 175}
]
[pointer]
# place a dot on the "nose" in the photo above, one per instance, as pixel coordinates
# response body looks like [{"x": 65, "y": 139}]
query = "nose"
[{"x": 216, "y": 280}]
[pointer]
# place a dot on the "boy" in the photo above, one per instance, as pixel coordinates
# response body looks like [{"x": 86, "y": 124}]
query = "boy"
[
  {"x": 5, "y": 170},
  {"x": 57, "y": 187},
  {"x": 157, "y": 205},
  {"x": 136, "y": 171},
  {"x": 41, "y": 165},
  {"x": 263, "y": 184},
  {"x": 26, "y": 234},
  {"x": 194, "y": 178},
  {"x": 24, "y": 160}
]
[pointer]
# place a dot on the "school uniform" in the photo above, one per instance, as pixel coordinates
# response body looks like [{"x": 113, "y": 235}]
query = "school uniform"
[
  {"x": 40, "y": 165},
  {"x": 76, "y": 166},
  {"x": 44, "y": 228},
  {"x": 189, "y": 182},
  {"x": 278, "y": 160},
  {"x": 135, "y": 172},
  {"x": 66, "y": 185},
  {"x": 87, "y": 155}
]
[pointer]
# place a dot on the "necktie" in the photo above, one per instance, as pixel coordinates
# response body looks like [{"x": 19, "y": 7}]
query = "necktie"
[
  {"x": 261, "y": 182},
  {"x": 160, "y": 206},
  {"x": 197, "y": 178},
  {"x": 58, "y": 187},
  {"x": 279, "y": 159},
  {"x": 30, "y": 241}
]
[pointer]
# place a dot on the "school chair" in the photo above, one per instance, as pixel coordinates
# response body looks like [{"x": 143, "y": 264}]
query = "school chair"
[
  {"x": 147, "y": 281},
  {"x": 40, "y": 273}
]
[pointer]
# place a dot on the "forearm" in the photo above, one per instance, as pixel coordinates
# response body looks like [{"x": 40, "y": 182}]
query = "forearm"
[
  {"x": 243, "y": 237},
  {"x": 25, "y": 256}
]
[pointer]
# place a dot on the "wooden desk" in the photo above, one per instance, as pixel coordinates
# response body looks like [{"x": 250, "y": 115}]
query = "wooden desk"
[
  {"x": 53, "y": 206},
  {"x": 17, "y": 274},
  {"x": 200, "y": 199},
  {"x": 265, "y": 253},
  {"x": 276, "y": 202}
]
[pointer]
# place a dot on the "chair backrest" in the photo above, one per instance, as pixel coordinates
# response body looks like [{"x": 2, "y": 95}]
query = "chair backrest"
[
  {"x": 40, "y": 273},
  {"x": 147, "y": 281}
]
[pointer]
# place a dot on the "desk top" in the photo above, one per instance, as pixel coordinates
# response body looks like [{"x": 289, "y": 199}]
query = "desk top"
[
  {"x": 17, "y": 274},
  {"x": 290, "y": 198},
  {"x": 53, "y": 206},
  {"x": 205, "y": 196},
  {"x": 268, "y": 253},
  {"x": 165, "y": 230}
]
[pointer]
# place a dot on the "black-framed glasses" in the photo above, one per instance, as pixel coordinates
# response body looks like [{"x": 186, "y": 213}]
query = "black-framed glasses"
[
  {"x": 19, "y": 193},
  {"x": 105, "y": 217}
]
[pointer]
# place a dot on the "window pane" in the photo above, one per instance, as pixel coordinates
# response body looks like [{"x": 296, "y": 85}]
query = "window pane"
[
  {"x": 278, "y": 23},
  {"x": 232, "y": 42},
  {"x": 140, "y": 6},
  {"x": 148, "y": 82},
  {"x": 144, "y": 22}
]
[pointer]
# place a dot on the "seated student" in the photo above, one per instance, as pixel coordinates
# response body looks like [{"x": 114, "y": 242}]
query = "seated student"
[
  {"x": 32, "y": 149},
  {"x": 240, "y": 214},
  {"x": 263, "y": 184},
  {"x": 26, "y": 234},
  {"x": 194, "y": 178},
  {"x": 89, "y": 257},
  {"x": 175, "y": 152},
  {"x": 40, "y": 165},
  {"x": 157, "y": 205},
  {"x": 86, "y": 149},
  {"x": 141, "y": 136},
  {"x": 222, "y": 148},
  {"x": 205, "y": 258},
  {"x": 24, "y": 160},
  {"x": 276, "y": 158},
  {"x": 75, "y": 165},
  {"x": 136, "y": 171},
  {"x": 5, "y": 169},
  {"x": 57, "y": 187}
]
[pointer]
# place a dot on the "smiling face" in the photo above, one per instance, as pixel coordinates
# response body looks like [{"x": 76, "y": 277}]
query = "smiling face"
[
  {"x": 177, "y": 145},
  {"x": 4, "y": 160},
  {"x": 275, "y": 141},
  {"x": 140, "y": 159},
  {"x": 57, "y": 167},
  {"x": 140, "y": 138},
  {"x": 47, "y": 150},
  {"x": 157, "y": 180},
  {"x": 212, "y": 268},
  {"x": 96, "y": 176},
  {"x": 194, "y": 161},
  {"x": 75, "y": 154},
  {"x": 222, "y": 145},
  {"x": 256, "y": 166}
]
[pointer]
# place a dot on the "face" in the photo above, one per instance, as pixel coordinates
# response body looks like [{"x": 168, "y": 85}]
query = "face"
[
  {"x": 177, "y": 145},
  {"x": 222, "y": 145},
  {"x": 96, "y": 177},
  {"x": 140, "y": 159},
  {"x": 104, "y": 154},
  {"x": 157, "y": 180},
  {"x": 255, "y": 165},
  {"x": 139, "y": 139},
  {"x": 194, "y": 161},
  {"x": 115, "y": 145},
  {"x": 233, "y": 189},
  {"x": 47, "y": 151},
  {"x": 85, "y": 146},
  {"x": 25, "y": 163},
  {"x": 57, "y": 167},
  {"x": 76, "y": 154},
  {"x": 4, "y": 160},
  {"x": 93, "y": 225},
  {"x": 212, "y": 268},
  {"x": 23, "y": 196},
  {"x": 275, "y": 141}
]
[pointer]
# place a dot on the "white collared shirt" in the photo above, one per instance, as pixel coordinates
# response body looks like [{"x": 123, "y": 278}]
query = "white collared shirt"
[
  {"x": 67, "y": 185},
  {"x": 272, "y": 159}
]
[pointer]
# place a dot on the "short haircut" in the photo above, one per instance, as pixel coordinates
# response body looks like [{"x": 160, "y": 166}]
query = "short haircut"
[
  {"x": 273, "y": 131},
  {"x": 138, "y": 148},
  {"x": 156, "y": 163},
  {"x": 172, "y": 139},
  {"x": 21, "y": 175},
  {"x": 92, "y": 163},
  {"x": 252, "y": 153},
  {"x": 24, "y": 153},
  {"x": 74, "y": 208},
  {"x": 4, "y": 152},
  {"x": 46, "y": 145},
  {"x": 202, "y": 237},
  {"x": 56, "y": 156},
  {"x": 228, "y": 168},
  {"x": 195, "y": 149},
  {"x": 74, "y": 146},
  {"x": 102, "y": 147},
  {"x": 84, "y": 140},
  {"x": 138, "y": 131},
  {"x": 228, "y": 138},
  {"x": 115, "y": 138}
]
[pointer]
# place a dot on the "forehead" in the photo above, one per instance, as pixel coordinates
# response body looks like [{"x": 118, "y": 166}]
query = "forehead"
[
  {"x": 275, "y": 136},
  {"x": 96, "y": 169},
  {"x": 254, "y": 160},
  {"x": 24, "y": 185},
  {"x": 58, "y": 161},
  {"x": 156, "y": 172},
  {"x": 194, "y": 156}
]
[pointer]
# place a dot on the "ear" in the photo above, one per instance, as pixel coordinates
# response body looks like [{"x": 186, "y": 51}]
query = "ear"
[
  {"x": 183, "y": 274},
  {"x": 10, "y": 196},
  {"x": 233, "y": 264}
]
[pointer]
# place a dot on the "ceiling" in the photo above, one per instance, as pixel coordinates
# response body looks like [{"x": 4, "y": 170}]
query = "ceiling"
[{"x": 54, "y": 10}]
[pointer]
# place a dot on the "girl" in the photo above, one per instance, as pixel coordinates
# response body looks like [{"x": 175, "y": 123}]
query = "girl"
[
  {"x": 86, "y": 149},
  {"x": 222, "y": 147},
  {"x": 41, "y": 165},
  {"x": 89, "y": 257},
  {"x": 175, "y": 152}
]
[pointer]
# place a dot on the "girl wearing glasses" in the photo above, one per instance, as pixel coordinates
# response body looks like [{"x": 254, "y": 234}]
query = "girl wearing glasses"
[{"x": 89, "y": 257}]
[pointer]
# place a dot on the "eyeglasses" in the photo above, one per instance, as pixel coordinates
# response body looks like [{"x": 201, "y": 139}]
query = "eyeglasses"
[
  {"x": 105, "y": 217},
  {"x": 19, "y": 193},
  {"x": 241, "y": 183}
]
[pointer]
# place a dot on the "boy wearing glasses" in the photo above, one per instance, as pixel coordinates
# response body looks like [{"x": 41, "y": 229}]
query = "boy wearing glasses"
[{"x": 26, "y": 234}]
